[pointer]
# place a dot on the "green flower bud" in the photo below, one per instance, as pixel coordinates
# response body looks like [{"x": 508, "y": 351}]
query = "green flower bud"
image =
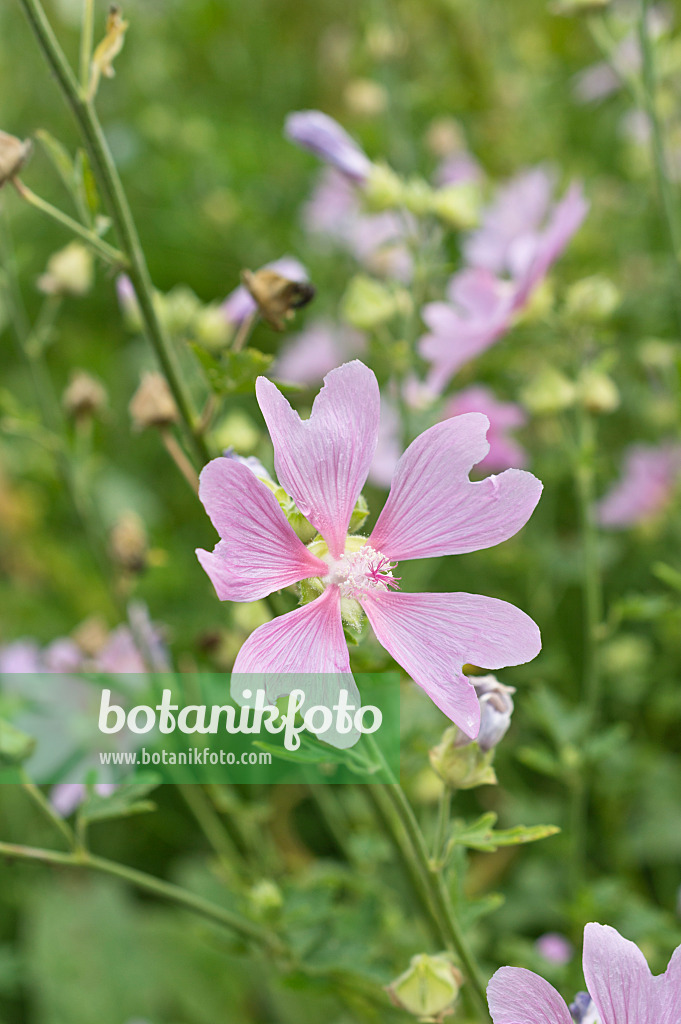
[
  {"x": 592, "y": 300},
  {"x": 367, "y": 303},
  {"x": 212, "y": 328},
  {"x": 458, "y": 205},
  {"x": 428, "y": 988},
  {"x": 598, "y": 392},
  {"x": 549, "y": 392},
  {"x": 384, "y": 190},
  {"x": 69, "y": 272},
  {"x": 265, "y": 898},
  {"x": 418, "y": 197},
  {"x": 462, "y": 767}
]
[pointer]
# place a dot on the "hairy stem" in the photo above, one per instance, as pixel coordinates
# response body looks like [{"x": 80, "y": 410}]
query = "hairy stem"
[{"x": 109, "y": 182}]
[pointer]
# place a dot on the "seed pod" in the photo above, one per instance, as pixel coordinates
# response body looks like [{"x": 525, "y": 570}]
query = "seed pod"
[
  {"x": 277, "y": 297},
  {"x": 84, "y": 397},
  {"x": 128, "y": 543},
  {"x": 13, "y": 155},
  {"x": 428, "y": 988},
  {"x": 153, "y": 405}
]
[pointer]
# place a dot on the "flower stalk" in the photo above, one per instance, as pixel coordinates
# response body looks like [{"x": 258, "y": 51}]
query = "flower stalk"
[{"x": 109, "y": 182}]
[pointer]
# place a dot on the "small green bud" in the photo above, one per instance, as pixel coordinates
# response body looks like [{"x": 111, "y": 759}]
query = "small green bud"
[
  {"x": 236, "y": 430},
  {"x": 592, "y": 300},
  {"x": 178, "y": 308},
  {"x": 418, "y": 197},
  {"x": 458, "y": 205},
  {"x": 266, "y": 898},
  {"x": 462, "y": 767},
  {"x": 384, "y": 190},
  {"x": 549, "y": 392},
  {"x": 598, "y": 392},
  {"x": 211, "y": 327},
  {"x": 428, "y": 988},
  {"x": 69, "y": 272},
  {"x": 367, "y": 303}
]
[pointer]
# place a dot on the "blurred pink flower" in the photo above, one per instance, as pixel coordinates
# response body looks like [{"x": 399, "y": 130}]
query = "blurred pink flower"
[
  {"x": 321, "y": 135},
  {"x": 433, "y": 509},
  {"x": 504, "y": 451},
  {"x": 240, "y": 304},
  {"x": 309, "y": 355},
  {"x": 67, "y": 796},
  {"x": 478, "y": 311},
  {"x": 618, "y": 979},
  {"x": 458, "y": 168},
  {"x": 649, "y": 478},
  {"x": 602, "y": 79},
  {"x": 376, "y": 240},
  {"x": 555, "y": 948}
]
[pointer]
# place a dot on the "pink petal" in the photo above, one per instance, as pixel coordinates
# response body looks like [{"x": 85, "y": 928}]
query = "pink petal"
[
  {"x": 669, "y": 990},
  {"x": 308, "y": 639},
  {"x": 434, "y": 509},
  {"x": 517, "y": 996},
  {"x": 259, "y": 551},
  {"x": 323, "y": 462},
  {"x": 432, "y": 636},
  {"x": 618, "y": 978}
]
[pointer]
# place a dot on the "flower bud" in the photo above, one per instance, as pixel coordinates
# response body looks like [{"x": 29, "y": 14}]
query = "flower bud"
[
  {"x": 367, "y": 303},
  {"x": 265, "y": 898},
  {"x": 91, "y": 635},
  {"x": 277, "y": 297},
  {"x": 462, "y": 767},
  {"x": 384, "y": 189},
  {"x": 321, "y": 135},
  {"x": 445, "y": 136},
  {"x": 128, "y": 543},
  {"x": 153, "y": 405},
  {"x": 365, "y": 98},
  {"x": 84, "y": 397},
  {"x": 211, "y": 328},
  {"x": 13, "y": 155},
  {"x": 109, "y": 48},
  {"x": 428, "y": 988},
  {"x": 496, "y": 708},
  {"x": 127, "y": 300},
  {"x": 69, "y": 271},
  {"x": 549, "y": 392},
  {"x": 592, "y": 300},
  {"x": 598, "y": 392},
  {"x": 457, "y": 205}
]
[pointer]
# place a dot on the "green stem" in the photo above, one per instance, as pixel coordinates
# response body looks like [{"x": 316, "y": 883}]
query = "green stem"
[
  {"x": 106, "y": 251},
  {"x": 658, "y": 149},
  {"x": 442, "y": 825},
  {"x": 591, "y": 577},
  {"x": 86, "y": 43},
  {"x": 155, "y": 886},
  {"x": 108, "y": 179},
  {"x": 211, "y": 826},
  {"x": 48, "y": 811}
]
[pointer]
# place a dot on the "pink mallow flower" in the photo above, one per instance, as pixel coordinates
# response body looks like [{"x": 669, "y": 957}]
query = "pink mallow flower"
[
  {"x": 309, "y": 355},
  {"x": 649, "y": 478},
  {"x": 433, "y": 509},
  {"x": 555, "y": 948},
  {"x": 321, "y": 135},
  {"x": 504, "y": 451},
  {"x": 617, "y": 976}
]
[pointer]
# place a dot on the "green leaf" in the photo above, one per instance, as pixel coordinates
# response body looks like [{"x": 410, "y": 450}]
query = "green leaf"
[
  {"x": 59, "y": 157},
  {"x": 15, "y": 746},
  {"x": 124, "y": 802},
  {"x": 481, "y": 834},
  {"x": 235, "y": 372},
  {"x": 85, "y": 184}
]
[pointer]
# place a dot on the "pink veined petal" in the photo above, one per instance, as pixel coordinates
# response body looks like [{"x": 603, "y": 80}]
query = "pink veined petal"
[
  {"x": 434, "y": 509},
  {"x": 618, "y": 978},
  {"x": 432, "y": 636},
  {"x": 518, "y": 996},
  {"x": 259, "y": 551},
  {"x": 308, "y": 639},
  {"x": 669, "y": 990},
  {"x": 323, "y": 462}
]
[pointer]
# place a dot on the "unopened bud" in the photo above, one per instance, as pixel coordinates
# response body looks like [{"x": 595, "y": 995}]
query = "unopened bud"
[
  {"x": 549, "y": 392},
  {"x": 13, "y": 155},
  {"x": 367, "y": 303},
  {"x": 265, "y": 898},
  {"x": 69, "y": 272},
  {"x": 277, "y": 297},
  {"x": 598, "y": 392},
  {"x": 128, "y": 543},
  {"x": 496, "y": 708},
  {"x": 462, "y": 767},
  {"x": 428, "y": 988},
  {"x": 84, "y": 397},
  {"x": 592, "y": 300},
  {"x": 91, "y": 635},
  {"x": 365, "y": 98},
  {"x": 153, "y": 405},
  {"x": 211, "y": 327},
  {"x": 444, "y": 137},
  {"x": 384, "y": 189},
  {"x": 457, "y": 205}
]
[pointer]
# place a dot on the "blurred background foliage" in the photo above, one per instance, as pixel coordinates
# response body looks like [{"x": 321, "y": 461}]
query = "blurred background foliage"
[{"x": 194, "y": 118}]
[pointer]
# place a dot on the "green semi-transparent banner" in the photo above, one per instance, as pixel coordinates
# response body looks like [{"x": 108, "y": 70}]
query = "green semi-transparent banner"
[{"x": 108, "y": 730}]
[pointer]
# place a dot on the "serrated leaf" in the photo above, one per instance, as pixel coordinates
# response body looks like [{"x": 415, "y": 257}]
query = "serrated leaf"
[
  {"x": 481, "y": 834},
  {"x": 235, "y": 372}
]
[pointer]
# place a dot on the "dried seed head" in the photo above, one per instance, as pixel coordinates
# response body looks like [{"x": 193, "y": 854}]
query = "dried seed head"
[
  {"x": 91, "y": 635},
  {"x": 128, "y": 543},
  {"x": 277, "y": 297},
  {"x": 13, "y": 155},
  {"x": 109, "y": 48},
  {"x": 84, "y": 397},
  {"x": 153, "y": 405},
  {"x": 69, "y": 272}
]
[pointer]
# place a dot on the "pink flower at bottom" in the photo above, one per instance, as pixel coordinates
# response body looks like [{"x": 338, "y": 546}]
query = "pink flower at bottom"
[
  {"x": 504, "y": 451},
  {"x": 67, "y": 796},
  {"x": 618, "y": 979},
  {"x": 433, "y": 509}
]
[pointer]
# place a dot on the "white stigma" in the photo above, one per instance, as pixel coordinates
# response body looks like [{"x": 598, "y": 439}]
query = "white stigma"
[{"x": 360, "y": 572}]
